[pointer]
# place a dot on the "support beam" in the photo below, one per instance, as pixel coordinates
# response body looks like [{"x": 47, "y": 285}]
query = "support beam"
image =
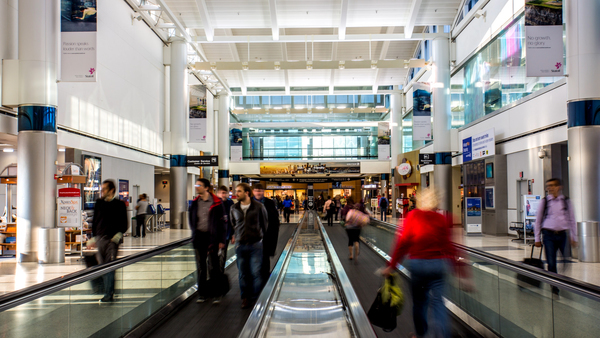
[
  {"x": 284, "y": 55},
  {"x": 343, "y": 20},
  {"x": 209, "y": 30},
  {"x": 274, "y": 23},
  {"x": 322, "y": 38},
  {"x": 382, "y": 55},
  {"x": 332, "y": 72},
  {"x": 412, "y": 18},
  {"x": 236, "y": 56}
]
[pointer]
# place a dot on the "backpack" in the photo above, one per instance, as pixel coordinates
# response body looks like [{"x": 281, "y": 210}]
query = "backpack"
[{"x": 383, "y": 203}]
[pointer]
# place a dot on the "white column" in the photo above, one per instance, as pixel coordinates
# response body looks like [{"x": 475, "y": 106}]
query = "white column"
[
  {"x": 442, "y": 118},
  {"x": 583, "y": 83},
  {"x": 396, "y": 140},
  {"x": 36, "y": 151},
  {"x": 224, "y": 139},
  {"x": 179, "y": 92}
]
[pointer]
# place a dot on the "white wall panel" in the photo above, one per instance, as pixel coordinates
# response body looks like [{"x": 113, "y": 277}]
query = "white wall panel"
[
  {"x": 374, "y": 167},
  {"x": 126, "y": 104}
]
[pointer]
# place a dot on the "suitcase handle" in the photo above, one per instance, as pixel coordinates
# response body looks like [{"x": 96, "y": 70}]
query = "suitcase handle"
[{"x": 532, "y": 248}]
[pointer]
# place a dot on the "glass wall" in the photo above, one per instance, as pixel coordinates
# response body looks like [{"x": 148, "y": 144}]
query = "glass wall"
[
  {"x": 494, "y": 77},
  {"x": 310, "y": 101}
]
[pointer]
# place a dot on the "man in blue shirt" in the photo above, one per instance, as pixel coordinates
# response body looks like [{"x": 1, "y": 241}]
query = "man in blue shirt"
[
  {"x": 287, "y": 208},
  {"x": 383, "y": 205}
]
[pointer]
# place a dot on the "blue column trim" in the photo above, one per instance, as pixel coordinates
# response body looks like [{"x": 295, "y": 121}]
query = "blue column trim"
[
  {"x": 245, "y": 180},
  {"x": 40, "y": 118},
  {"x": 385, "y": 177},
  {"x": 236, "y": 178},
  {"x": 443, "y": 158},
  {"x": 583, "y": 113},
  {"x": 223, "y": 173},
  {"x": 178, "y": 161}
]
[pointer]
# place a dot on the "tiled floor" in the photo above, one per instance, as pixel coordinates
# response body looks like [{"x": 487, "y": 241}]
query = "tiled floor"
[{"x": 15, "y": 276}]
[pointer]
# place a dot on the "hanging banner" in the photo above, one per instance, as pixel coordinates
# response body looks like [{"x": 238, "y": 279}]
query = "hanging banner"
[
  {"x": 480, "y": 145},
  {"x": 197, "y": 117},
  {"x": 421, "y": 112},
  {"x": 544, "y": 38},
  {"x": 383, "y": 141},
  {"x": 78, "y": 41},
  {"x": 235, "y": 139}
]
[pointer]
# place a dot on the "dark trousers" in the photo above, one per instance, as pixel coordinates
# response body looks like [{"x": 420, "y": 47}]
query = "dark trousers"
[
  {"x": 553, "y": 242},
  {"x": 330, "y": 213},
  {"x": 383, "y": 214},
  {"x": 140, "y": 222},
  {"x": 249, "y": 262},
  {"x": 265, "y": 269},
  {"x": 201, "y": 243},
  {"x": 107, "y": 252},
  {"x": 286, "y": 214},
  {"x": 336, "y": 213}
]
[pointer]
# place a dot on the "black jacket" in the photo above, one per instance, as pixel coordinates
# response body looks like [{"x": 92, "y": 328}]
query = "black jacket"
[
  {"x": 217, "y": 222},
  {"x": 109, "y": 218},
  {"x": 270, "y": 239},
  {"x": 228, "y": 203},
  {"x": 251, "y": 228}
]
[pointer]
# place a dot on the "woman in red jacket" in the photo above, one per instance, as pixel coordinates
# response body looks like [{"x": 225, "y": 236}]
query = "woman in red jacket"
[{"x": 425, "y": 239}]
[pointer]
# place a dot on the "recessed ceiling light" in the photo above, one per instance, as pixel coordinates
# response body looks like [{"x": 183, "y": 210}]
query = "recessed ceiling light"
[
  {"x": 341, "y": 107},
  {"x": 62, "y": 150},
  {"x": 362, "y": 107},
  {"x": 277, "y": 108},
  {"x": 8, "y": 150},
  {"x": 256, "y": 108},
  {"x": 320, "y": 107}
]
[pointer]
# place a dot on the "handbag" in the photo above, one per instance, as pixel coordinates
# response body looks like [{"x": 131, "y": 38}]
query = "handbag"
[
  {"x": 387, "y": 305},
  {"x": 535, "y": 262}
]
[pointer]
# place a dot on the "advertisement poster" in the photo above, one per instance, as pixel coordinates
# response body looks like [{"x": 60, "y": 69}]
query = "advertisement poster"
[
  {"x": 478, "y": 146},
  {"x": 235, "y": 139},
  {"x": 489, "y": 198},
  {"x": 383, "y": 141},
  {"x": 473, "y": 206},
  {"x": 69, "y": 207},
  {"x": 78, "y": 40},
  {"x": 197, "y": 114},
  {"x": 124, "y": 191},
  {"x": 532, "y": 203},
  {"x": 544, "y": 43},
  {"x": 421, "y": 112},
  {"x": 92, "y": 167}
]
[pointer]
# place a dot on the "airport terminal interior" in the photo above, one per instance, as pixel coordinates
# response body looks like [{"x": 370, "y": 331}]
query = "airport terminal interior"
[{"x": 329, "y": 144}]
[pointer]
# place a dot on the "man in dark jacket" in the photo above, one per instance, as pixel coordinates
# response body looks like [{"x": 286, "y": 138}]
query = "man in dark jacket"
[
  {"x": 227, "y": 203},
  {"x": 108, "y": 226},
  {"x": 209, "y": 232},
  {"x": 270, "y": 238},
  {"x": 249, "y": 219}
]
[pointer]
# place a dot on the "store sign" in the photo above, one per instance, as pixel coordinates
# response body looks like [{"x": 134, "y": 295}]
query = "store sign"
[
  {"x": 404, "y": 169},
  {"x": 202, "y": 161},
  {"x": 370, "y": 186},
  {"x": 69, "y": 207},
  {"x": 309, "y": 179},
  {"x": 478, "y": 146},
  {"x": 426, "y": 159},
  {"x": 544, "y": 44},
  {"x": 78, "y": 41},
  {"x": 421, "y": 112},
  {"x": 278, "y": 187}
]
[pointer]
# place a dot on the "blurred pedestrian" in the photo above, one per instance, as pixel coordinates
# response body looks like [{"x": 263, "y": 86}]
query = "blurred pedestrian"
[
  {"x": 355, "y": 216},
  {"x": 140, "y": 216},
  {"x": 338, "y": 207},
  {"x": 223, "y": 194},
  {"x": 425, "y": 239},
  {"x": 329, "y": 208},
  {"x": 270, "y": 238},
  {"x": 209, "y": 232},
  {"x": 287, "y": 208},
  {"x": 383, "y": 206},
  {"x": 108, "y": 226},
  {"x": 250, "y": 222}
]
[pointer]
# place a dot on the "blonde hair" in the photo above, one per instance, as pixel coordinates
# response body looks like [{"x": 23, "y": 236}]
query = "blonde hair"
[{"x": 427, "y": 199}]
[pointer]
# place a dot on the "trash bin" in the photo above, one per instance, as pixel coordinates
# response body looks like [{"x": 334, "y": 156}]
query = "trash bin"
[
  {"x": 51, "y": 245},
  {"x": 589, "y": 241}
]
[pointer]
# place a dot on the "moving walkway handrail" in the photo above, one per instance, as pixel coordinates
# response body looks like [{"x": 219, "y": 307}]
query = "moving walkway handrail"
[
  {"x": 570, "y": 284},
  {"x": 39, "y": 290}
]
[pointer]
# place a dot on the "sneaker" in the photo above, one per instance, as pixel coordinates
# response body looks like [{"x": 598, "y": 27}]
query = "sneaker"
[
  {"x": 245, "y": 303},
  {"x": 107, "y": 299},
  {"x": 217, "y": 300},
  {"x": 201, "y": 299}
]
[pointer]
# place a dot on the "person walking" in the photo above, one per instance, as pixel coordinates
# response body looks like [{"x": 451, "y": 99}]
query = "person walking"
[
  {"x": 140, "y": 216},
  {"x": 287, "y": 208},
  {"x": 223, "y": 194},
  {"x": 554, "y": 223},
  {"x": 426, "y": 241},
  {"x": 296, "y": 205},
  {"x": 354, "y": 224},
  {"x": 108, "y": 226},
  {"x": 338, "y": 207},
  {"x": 209, "y": 231},
  {"x": 383, "y": 206},
  {"x": 250, "y": 223},
  {"x": 329, "y": 209},
  {"x": 270, "y": 238}
]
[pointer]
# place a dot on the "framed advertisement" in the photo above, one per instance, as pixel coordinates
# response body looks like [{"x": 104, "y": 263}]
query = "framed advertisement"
[
  {"x": 92, "y": 169},
  {"x": 490, "y": 198},
  {"x": 124, "y": 191}
]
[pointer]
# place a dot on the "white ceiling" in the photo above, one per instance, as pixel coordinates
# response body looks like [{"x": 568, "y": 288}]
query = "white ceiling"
[{"x": 310, "y": 17}]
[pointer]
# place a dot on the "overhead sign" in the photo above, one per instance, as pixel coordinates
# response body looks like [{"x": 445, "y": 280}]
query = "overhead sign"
[
  {"x": 426, "y": 159},
  {"x": 421, "y": 112},
  {"x": 78, "y": 41},
  {"x": 279, "y": 187},
  {"x": 310, "y": 179},
  {"x": 478, "y": 146},
  {"x": 544, "y": 44},
  {"x": 202, "y": 161}
]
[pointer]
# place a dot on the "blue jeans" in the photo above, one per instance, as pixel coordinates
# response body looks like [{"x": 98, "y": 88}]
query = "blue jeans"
[
  {"x": 383, "y": 215},
  {"x": 249, "y": 263},
  {"x": 552, "y": 243},
  {"x": 429, "y": 275}
]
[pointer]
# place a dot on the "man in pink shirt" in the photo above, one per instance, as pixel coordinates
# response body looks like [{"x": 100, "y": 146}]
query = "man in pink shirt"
[{"x": 553, "y": 219}]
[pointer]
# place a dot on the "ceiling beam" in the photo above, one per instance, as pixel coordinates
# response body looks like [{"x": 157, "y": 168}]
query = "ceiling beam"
[
  {"x": 286, "y": 74},
  {"x": 321, "y": 38},
  {"x": 332, "y": 72},
  {"x": 343, "y": 20},
  {"x": 301, "y": 65},
  {"x": 412, "y": 18},
  {"x": 274, "y": 23},
  {"x": 209, "y": 30},
  {"x": 236, "y": 56},
  {"x": 382, "y": 56}
]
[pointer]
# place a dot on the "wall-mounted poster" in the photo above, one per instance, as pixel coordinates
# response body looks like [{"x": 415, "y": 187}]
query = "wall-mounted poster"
[
  {"x": 544, "y": 43},
  {"x": 422, "y": 112},
  {"x": 92, "y": 167},
  {"x": 473, "y": 206},
  {"x": 78, "y": 40},
  {"x": 197, "y": 114},
  {"x": 489, "y": 198},
  {"x": 124, "y": 191},
  {"x": 383, "y": 141},
  {"x": 236, "y": 141}
]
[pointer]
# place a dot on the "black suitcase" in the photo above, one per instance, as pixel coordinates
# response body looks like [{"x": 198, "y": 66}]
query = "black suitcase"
[{"x": 535, "y": 262}]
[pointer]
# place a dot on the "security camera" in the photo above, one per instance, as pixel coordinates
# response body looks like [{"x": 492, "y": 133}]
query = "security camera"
[
  {"x": 542, "y": 153},
  {"x": 481, "y": 13}
]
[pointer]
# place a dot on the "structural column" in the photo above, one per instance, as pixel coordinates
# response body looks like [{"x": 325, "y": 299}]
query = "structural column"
[
  {"x": 224, "y": 142},
  {"x": 38, "y": 100},
  {"x": 179, "y": 112},
  {"x": 442, "y": 119},
  {"x": 396, "y": 141},
  {"x": 583, "y": 105}
]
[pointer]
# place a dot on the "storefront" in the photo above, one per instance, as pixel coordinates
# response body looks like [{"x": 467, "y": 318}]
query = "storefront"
[{"x": 407, "y": 180}]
